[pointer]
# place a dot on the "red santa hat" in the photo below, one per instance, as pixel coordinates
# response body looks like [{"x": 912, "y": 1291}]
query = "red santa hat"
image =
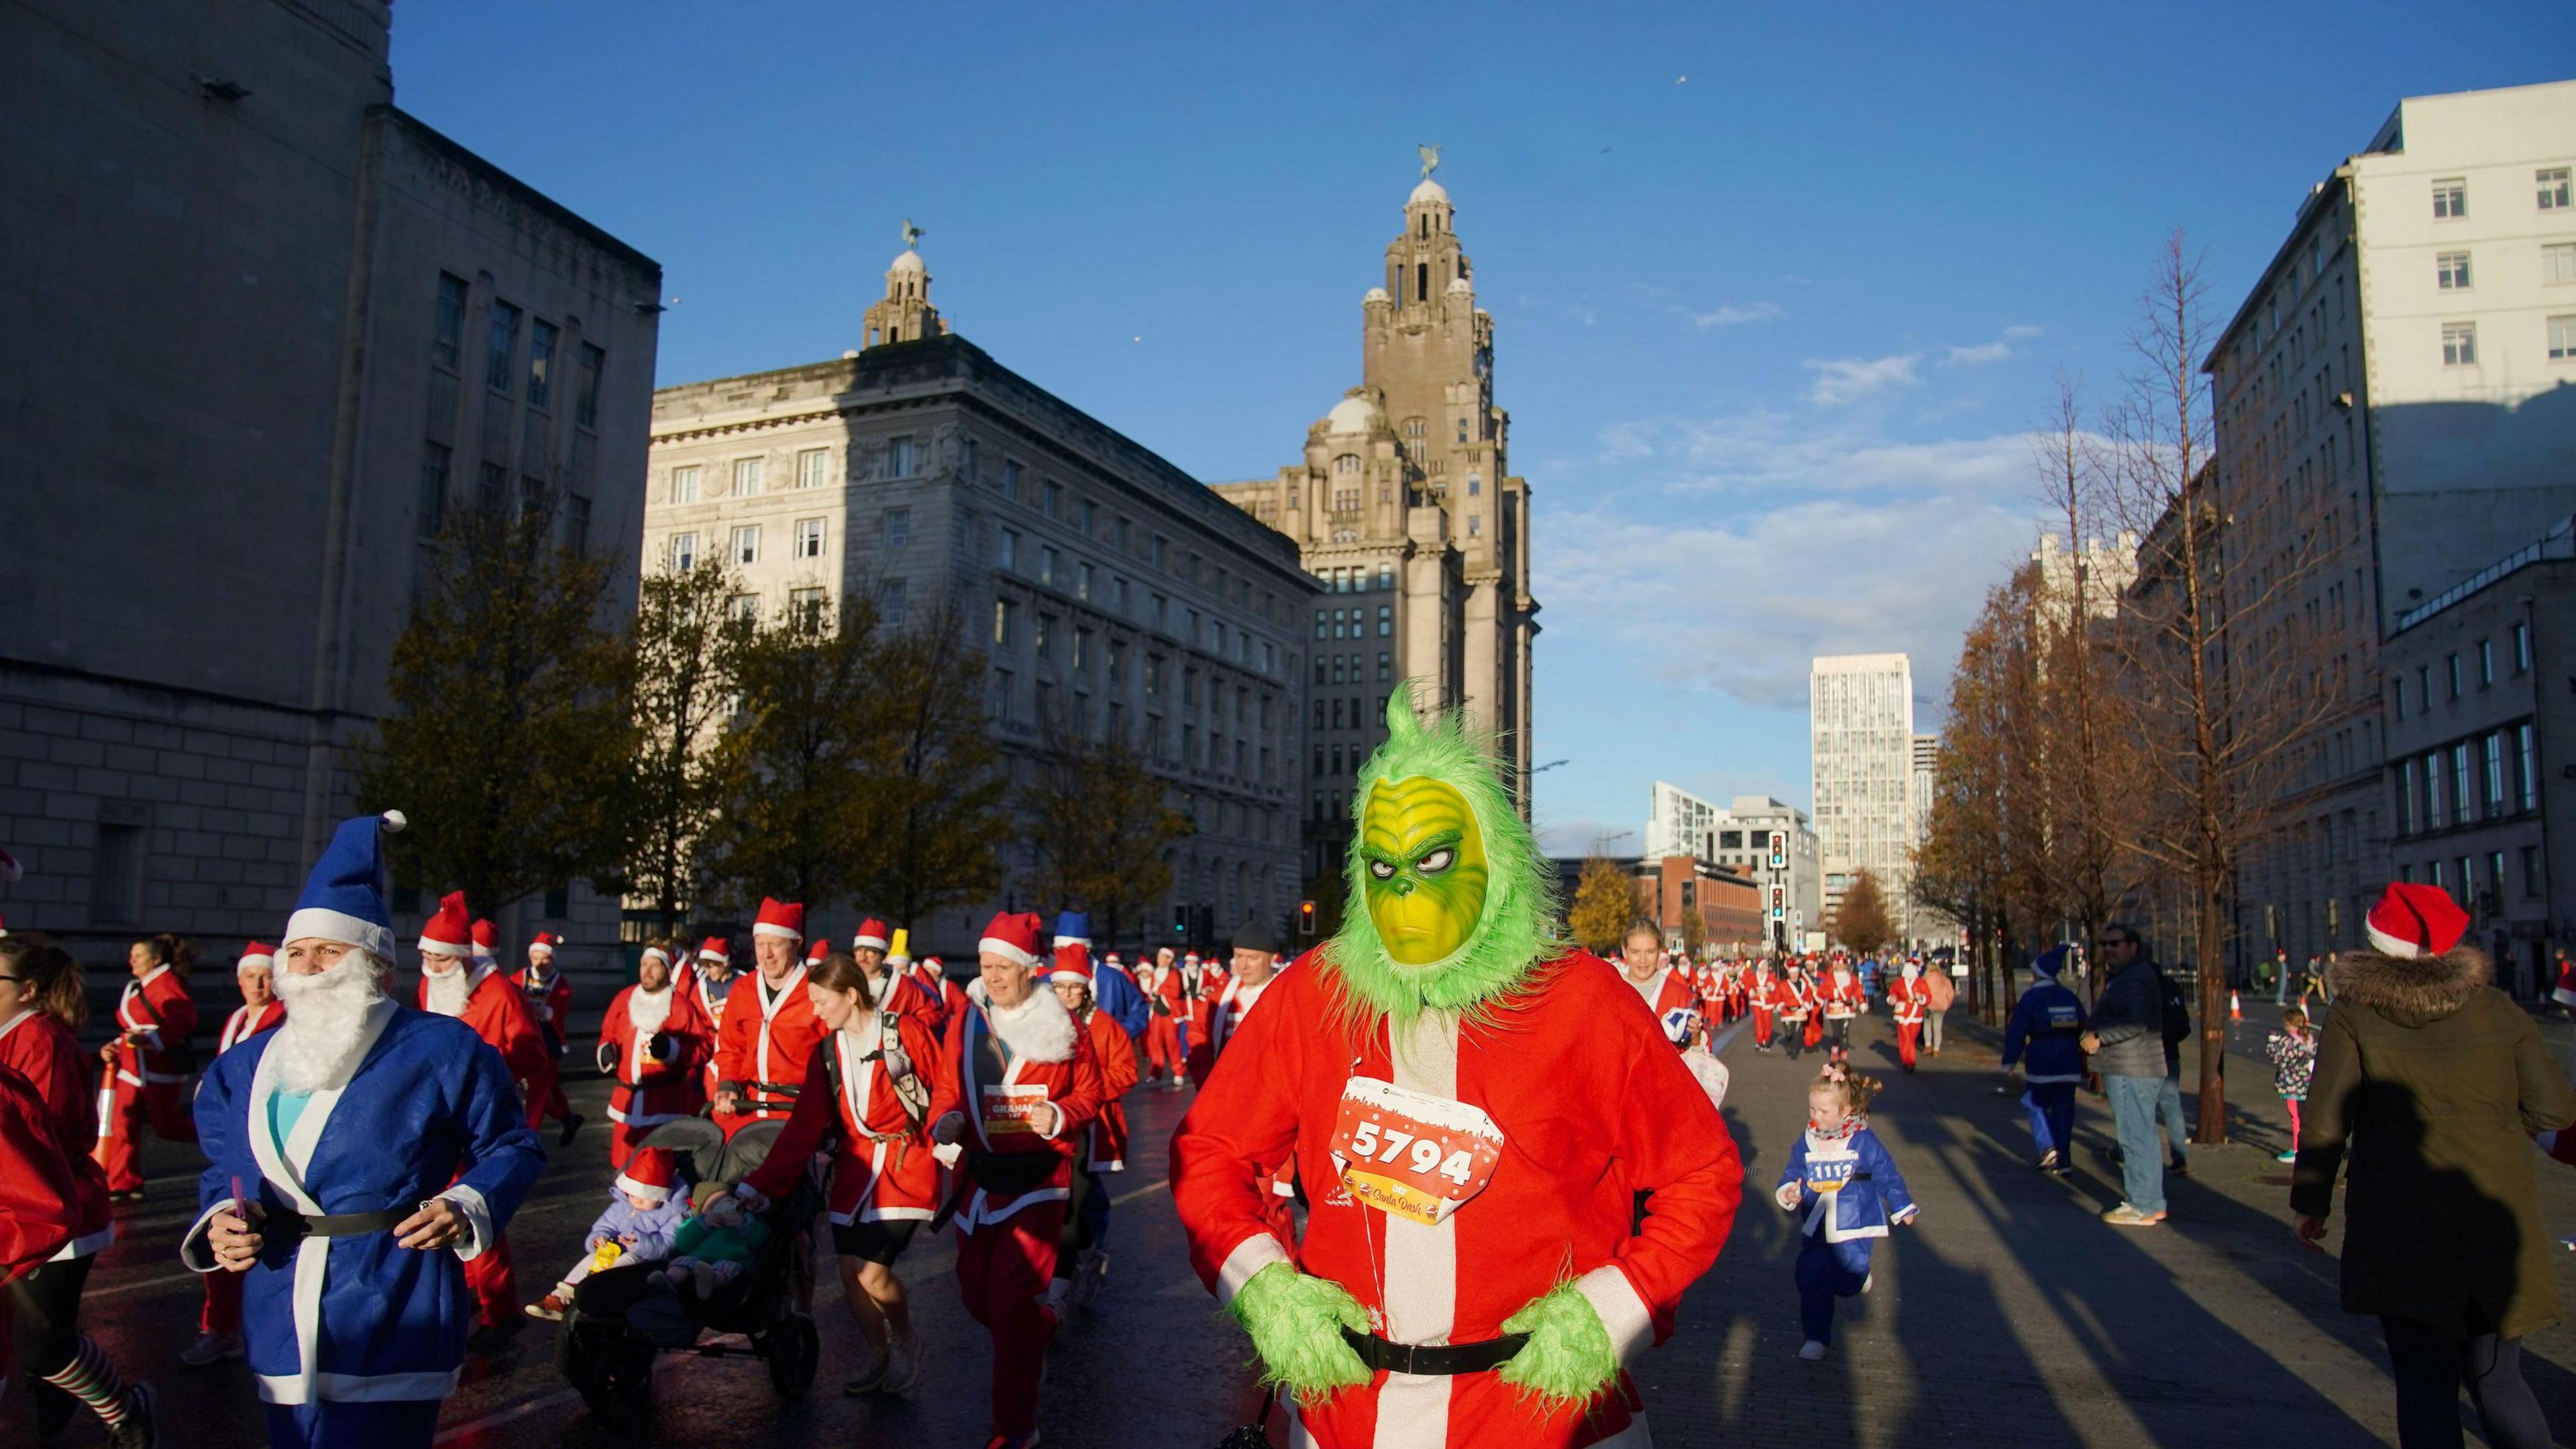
[
  {"x": 716, "y": 949},
  {"x": 1114, "y": 961},
  {"x": 486, "y": 939},
  {"x": 815, "y": 953},
  {"x": 655, "y": 953},
  {"x": 651, "y": 1173},
  {"x": 931, "y": 966},
  {"x": 545, "y": 941},
  {"x": 1013, "y": 935},
  {"x": 784, "y": 919},
  {"x": 2414, "y": 920},
  {"x": 1072, "y": 962},
  {"x": 872, "y": 936},
  {"x": 450, "y": 932},
  {"x": 257, "y": 956}
]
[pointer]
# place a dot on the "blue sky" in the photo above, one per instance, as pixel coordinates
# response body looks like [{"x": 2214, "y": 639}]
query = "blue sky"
[{"x": 1778, "y": 290}]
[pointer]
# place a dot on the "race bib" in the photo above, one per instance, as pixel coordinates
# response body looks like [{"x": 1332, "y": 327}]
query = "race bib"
[
  {"x": 1410, "y": 1153},
  {"x": 1009, "y": 1110},
  {"x": 1829, "y": 1172}
]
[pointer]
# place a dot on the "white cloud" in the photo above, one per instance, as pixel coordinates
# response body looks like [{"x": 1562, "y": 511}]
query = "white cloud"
[
  {"x": 1734, "y": 316},
  {"x": 1981, "y": 354},
  {"x": 1772, "y": 452},
  {"x": 2021, "y": 332},
  {"x": 1841, "y": 380}
]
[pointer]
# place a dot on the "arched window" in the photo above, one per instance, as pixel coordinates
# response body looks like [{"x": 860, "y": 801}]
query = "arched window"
[{"x": 1347, "y": 463}]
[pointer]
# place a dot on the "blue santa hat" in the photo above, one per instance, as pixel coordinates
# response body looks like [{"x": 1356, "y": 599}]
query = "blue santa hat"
[
  {"x": 344, "y": 899},
  {"x": 2050, "y": 961},
  {"x": 1073, "y": 928}
]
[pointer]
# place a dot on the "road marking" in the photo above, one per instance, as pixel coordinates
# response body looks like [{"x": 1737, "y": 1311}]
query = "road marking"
[
  {"x": 1124, "y": 1198},
  {"x": 498, "y": 1417},
  {"x": 141, "y": 1285}
]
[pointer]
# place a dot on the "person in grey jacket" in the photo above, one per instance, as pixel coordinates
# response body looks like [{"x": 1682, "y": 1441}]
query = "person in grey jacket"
[{"x": 2127, "y": 1044}]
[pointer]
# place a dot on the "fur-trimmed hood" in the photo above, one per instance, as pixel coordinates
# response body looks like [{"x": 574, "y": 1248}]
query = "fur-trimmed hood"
[{"x": 2411, "y": 992}]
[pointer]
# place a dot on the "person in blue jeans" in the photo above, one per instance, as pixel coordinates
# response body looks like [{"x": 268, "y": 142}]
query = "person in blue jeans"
[
  {"x": 1841, "y": 1179},
  {"x": 2042, "y": 1035},
  {"x": 2127, "y": 1044}
]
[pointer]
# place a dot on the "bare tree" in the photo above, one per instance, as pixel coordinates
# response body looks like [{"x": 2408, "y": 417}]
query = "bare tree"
[
  {"x": 940, "y": 813},
  {"x": 1101, "y": 819},
  {"x": 681, "y": 654}
]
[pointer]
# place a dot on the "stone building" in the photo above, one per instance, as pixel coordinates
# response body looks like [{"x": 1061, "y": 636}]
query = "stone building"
[
  {"x": 1095, "y": 581},
  {"x": 1405, "y": 508},
  {"x": 2392, "y": 408},
  {"x": 284, "y": 326}
]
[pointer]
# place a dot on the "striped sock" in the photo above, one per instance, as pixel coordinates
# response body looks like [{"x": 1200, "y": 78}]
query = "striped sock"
[{"x": 90, "y": 1378}]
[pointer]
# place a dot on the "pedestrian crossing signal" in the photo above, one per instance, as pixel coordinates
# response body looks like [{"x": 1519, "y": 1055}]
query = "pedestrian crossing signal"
[
  {"x": 1305, "y": 918},
  {"x": 1779, "y": 850},
  {"x": 1180, "y": 920},
  {"x": 1779, "y": 903}
]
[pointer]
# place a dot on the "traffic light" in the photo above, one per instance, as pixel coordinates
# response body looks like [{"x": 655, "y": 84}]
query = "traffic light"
[
  {"x": 1305, "y": 918},
  {"x": 1180, "y": 920},
  {"x": 1779, "y": 850},
  {"x": 1779, "y": 903}
]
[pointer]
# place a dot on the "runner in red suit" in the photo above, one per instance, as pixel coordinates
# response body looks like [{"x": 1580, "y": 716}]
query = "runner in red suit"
[{"x": 151, "y": 1063}]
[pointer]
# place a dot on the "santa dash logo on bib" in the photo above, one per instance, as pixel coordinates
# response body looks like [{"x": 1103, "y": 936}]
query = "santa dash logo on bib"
[{"x": 1410, "y": 1153}]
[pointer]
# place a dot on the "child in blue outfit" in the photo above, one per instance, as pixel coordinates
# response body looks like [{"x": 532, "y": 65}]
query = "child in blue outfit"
[
  {"x": 1841, "y": 1179},
  {"x": 645, "y": 1210},
  {"x": 2046, "y": 1034}
]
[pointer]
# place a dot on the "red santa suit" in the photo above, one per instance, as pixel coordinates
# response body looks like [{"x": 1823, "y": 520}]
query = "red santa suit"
[
  {"x": 549, "y": 996},
  {"x": 1669, "y": 997},
  {"x": 1796, "y": 995},
  {"x": 499, "y": 1015},
  {"x": 1764, "y": 999},
  {"x": 148, "y": 1082},
  {"x": 222, "y": 1310},
  {"x": 766, "y": 1043},
  {"x": 1907, "y": 996},
  {"x": 2564, "y": 993},
  {"x": 1019, "y": 1087},
  {"x": 932, "y": 977},
  {"x": 711, "y": 996},
  {"x": 1225, "y": 1013},
  {"x": 1167, "y": 997},
  {"x": 43, "y": 1050},
  {"x": 882, "y": 1167},
  {"x": 38, "y": 1185},
  {"x": 1105, "y": 1144},
  {"x": 1541, "y": 1109},
  {"x": 655, "y": 1046}
]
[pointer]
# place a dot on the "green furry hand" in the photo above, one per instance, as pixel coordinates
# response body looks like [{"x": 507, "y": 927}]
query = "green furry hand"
[
  {"x": 1296, "y": 1322},
  {"x": 1568, "y": 1359}
]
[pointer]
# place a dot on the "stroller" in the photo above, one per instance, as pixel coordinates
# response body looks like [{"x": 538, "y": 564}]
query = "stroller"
[{"x": 619, "y": 1320}]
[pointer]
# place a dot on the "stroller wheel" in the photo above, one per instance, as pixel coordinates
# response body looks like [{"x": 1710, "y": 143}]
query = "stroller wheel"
[{"x": 795, "y": 1350}]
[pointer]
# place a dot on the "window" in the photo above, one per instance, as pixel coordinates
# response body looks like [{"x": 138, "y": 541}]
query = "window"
[
  {"x": 684, "y": 552},
  {"x": 2459, "y": 344},
  {"x": 746, "y": 544},
  {"x": 1002, "y": 611},
  {"x": 1475, "y": 485},
  {"x": 890, "y": 603},
  {"x": 2451, "y": 664},
  {"x": 684, "y": 484},
  {"x": 447, "y": 324},
  {"x": 1153, "y": 675},
  {"x": 810, "y": 466},
  {"x": 503, "y": 346},
  {"x": 2558, "y": 262},
  {"x": 745, "y": 607},
  {"x": 585, "y": 397},
  {"x": 1043, "y": 641},
  {"x": 2460, "y": 795},
  {"x": 2397, "y": 691},
  {"x": 541, "y": 365},
  {"x": 1051, "y": 499},
  {"x": 2406, "y": 800},
  {"x": 2562, "y": 339},
  {"x": 577, "y": 523},
  {"x": 2531, "y": 886},
  {"x": 895, "y": 531},
  {"x": 1161, "y": 610},
  {"x": 899, "y": 456},
  {"x": 1385, "y": 621},
  {"x": 2450, "y": 198},
  {"x": 1081, "y": 580},
  {"x": 2486, "y": 663},
  {"x": 1162, "y": 552},
  {"x": 1003, "y": 697},
  {"x": 1046, "y": 567},
  {"x": 1385, "y": 666},
  {"x": 1191, "y": 636},
  {"x": 2529, "y": 776},
  {"x": 2451, "y": 271},
  {"x": 1117, "y": 661},
  {"x": 1462, "y": 430},
  {"x": 2521, "y": 647},
  {"x": 1347, "y": 463},
  {"x": 2433, "y": 790},
  {"x": 1088, "y": 516},
  {"x": 2491, "y": 749},
  {"x": 808, "y": 605},
  {"x": 1475, "y": 525},
  {"x": 747, "y": 477},
  {"x": 1010, "y": 480},
  {"x": 1009, "y": 555},
  {"x": 2552, "y": 181},
  {"x": 433, "y": 488},
  {"x": 809, "y": 538},
  {"x": 116, "y": 875},
  {"x": 1081, "y": 649},
  {"x": 1386, "y": 576}
]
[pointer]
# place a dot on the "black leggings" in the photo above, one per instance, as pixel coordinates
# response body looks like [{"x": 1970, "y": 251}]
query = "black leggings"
[
  {"x": 2431, "y": 1367},
  {"x": 47, "y": 1304}
]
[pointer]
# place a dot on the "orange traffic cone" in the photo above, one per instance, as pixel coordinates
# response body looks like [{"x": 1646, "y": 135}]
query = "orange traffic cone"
[{"x": 2235, "y": 1008}]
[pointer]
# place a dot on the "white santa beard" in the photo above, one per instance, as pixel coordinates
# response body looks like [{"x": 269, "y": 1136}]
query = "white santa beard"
[
  {"x": 647, "y": 1010},
  {"x": 325, "y": 1028},
  {"x": 447, "y": 992},
  {"x": 1039, "y": 1028}
]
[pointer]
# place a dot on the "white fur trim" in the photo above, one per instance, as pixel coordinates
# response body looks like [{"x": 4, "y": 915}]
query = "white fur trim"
[
  {"x": 1250, "y": 1256},
  {"x": 867, "y": 943},
  {"x": 1039, "y": 1028},
  {"x": 784, "y": 934},
  {"x": 316, "y": 923},
  {"x": 1007, "y": 951},
  {"x": 478, "y": 1221},
  {"x": 2388, "y": 945},
  {"x": 458, "y": 949},
  {"x": 1623, "y": 1312},
  {"x": 627, "y": 1184}
]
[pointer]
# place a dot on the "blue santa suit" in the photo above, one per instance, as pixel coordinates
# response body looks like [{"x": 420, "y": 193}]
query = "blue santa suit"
[
  {"x": 355, "y": 1340},
  {"x": 1116, "y": 992},
  {"x": 2047, "y": 1027},
  {"x": 1848, "y": 1194}
]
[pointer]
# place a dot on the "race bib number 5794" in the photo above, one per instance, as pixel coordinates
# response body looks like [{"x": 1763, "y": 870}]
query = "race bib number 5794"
[{"x": 1410, "y": 1153}]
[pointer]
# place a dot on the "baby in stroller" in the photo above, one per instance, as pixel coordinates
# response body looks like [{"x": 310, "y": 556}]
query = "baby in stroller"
[
  {"x": 714, "y": 1246},
  {"x": 645, "y": 1208}
]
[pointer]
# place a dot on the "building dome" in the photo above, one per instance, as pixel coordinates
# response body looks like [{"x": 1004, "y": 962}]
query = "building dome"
[
  {"x": 1375, "y": 294},
  {"x": 1458, "y": 287},
  {"x": 1353, "y": 415},
  {"x": 1429, "y": 190},
  {"x": 910, "y": 261}
]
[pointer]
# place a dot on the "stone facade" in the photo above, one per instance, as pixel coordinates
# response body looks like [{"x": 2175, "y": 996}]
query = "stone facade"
[
  {"x": 1405, "y": 508},
  {"x": 268, "y": 299},
  {"x": 1093, "y": 579}
]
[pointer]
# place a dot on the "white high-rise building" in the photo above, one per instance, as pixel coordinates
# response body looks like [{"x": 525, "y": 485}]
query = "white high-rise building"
[
  {"x": 1737, "y": 835},
  {"x": 1861, "y": 738}
]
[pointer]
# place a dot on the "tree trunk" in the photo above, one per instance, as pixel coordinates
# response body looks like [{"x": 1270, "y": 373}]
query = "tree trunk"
[{"x": 2210, "y": 1123}]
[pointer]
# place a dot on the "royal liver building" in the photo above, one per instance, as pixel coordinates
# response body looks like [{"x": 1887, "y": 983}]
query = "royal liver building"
[{"x": 1405, "y": 506}]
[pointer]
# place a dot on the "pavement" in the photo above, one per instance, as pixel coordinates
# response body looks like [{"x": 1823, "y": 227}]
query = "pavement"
[{"x": 2010, "y": 1316}]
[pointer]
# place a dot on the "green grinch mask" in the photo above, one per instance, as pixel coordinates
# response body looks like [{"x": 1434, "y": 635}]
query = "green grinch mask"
[
  {"x": 1460, "y": 906},
  {"x": 1424, "y": 856}
]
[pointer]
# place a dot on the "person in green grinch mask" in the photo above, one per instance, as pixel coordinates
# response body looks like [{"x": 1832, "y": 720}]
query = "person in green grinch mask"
[{"x": 1472, "y": 1106}]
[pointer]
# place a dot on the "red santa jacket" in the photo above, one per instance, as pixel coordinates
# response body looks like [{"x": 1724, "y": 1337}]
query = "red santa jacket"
[
  {"x": 710, "y": 997},
  {"x": 499, "y": 1015},
  {"x": 1842, "y": 997},
  {"x": 549, "y": 1000},
  {"x": 1166, "y": 990},
  {"x": 1675, "y": 1005},
  {"x": 43, "y": 1050},
  {"x": 999, "y": 1066},
  {"x": 1794, "y": 996},
  {"x": 655, "y": 1050},
  {"x": 1909, "y": 998},
  {"x": 158, "y": 1009},
  {"x": 1556, "y": 1076},
  {"x": 1225, "y": 1012},
  {"x": 247, "y": 1022},
  {"x": 37, "y": 1187},
  {"x": 764, "y": 1044},
  {"x": 1106, "y": 1147},
  {"x": 882, "y": 1165}
]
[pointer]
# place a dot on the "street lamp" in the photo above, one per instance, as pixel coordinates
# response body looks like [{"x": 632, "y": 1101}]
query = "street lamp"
[{"x": 1550, "y": 765}]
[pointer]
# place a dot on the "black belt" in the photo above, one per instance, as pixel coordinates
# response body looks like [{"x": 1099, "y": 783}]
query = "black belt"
[
  {"x": 1432, "y": 1360},
  {"x": 282, "y": 1226}
]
